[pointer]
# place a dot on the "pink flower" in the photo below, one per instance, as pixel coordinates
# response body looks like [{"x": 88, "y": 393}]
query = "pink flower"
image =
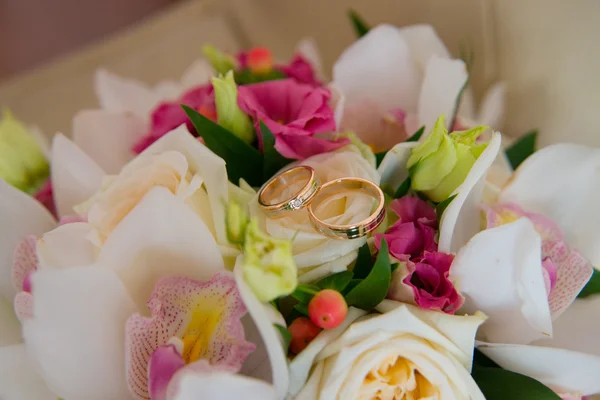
[
  {"x": 296, "y": 113},
  {"x": 46, "y": 197},
  {"x": 169, "y": 115},
  {"x": 414, "y": 232},
  {"x": 427, "y": 283},
  {"x": 298, "y": 68}
]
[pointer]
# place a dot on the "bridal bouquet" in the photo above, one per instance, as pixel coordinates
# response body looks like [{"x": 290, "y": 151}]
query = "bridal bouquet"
[{"x": 257, "y": 231}]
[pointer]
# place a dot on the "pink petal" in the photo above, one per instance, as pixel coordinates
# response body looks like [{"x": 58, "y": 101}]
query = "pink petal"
[
  {"x": 549, "y": 271},
  {"x": 413, "y": 209},
  {"x": 300, "y": 70},
  {"x": 171, "y": 305},
  {"x": 164, "y": 363},
  {"x": 46, "y": 197},
  {"x": 23, "y": 304},
  {"x": 504, "y": 213},
  {"x": 24, "y": 261},
  {"x": 403, "y": 239}
]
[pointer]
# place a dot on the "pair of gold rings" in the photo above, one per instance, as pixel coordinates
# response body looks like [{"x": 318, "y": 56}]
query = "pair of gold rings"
[{"x": 311, "y": 195}]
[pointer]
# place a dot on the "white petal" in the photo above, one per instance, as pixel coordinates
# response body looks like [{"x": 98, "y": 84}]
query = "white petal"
[
  {"x": 338, "y": 102},
  {"x": 443, "y": 80},
  {"x": 20, "y": 215},
  {"x": 18, "y": 377},
  {"x": 301, "y": 365},
  {"x": 124, "y": 95},
  {"x": 562, "y": 182},
  {"x": 66, "y": 246},
  {"x": 160, "y": 237},
  {"x": 423, "y": 42},
  {"x": 379, "y": 66},
  {"x": 75, "y": 176},
  {"x": 10, "y": 328},
  {"x": 569, "y": 370},
  {"x": 199, "y": 73},
  {"x": 491, "y": 111},
  {"x": 462, "y": 218},
  {"x": 393, "y": 169},
  {"x": 108, "y": 137},
  {"x": 500, "y": 273},
  {"x": 268, "y": 361},
  {"x": 42, "y": 139},
  {"x": 77, "y": 332},
  {"x": 309, "y": 50},
  {"x": 210, "y": 167},
  {"x": 222, "y": 386}
]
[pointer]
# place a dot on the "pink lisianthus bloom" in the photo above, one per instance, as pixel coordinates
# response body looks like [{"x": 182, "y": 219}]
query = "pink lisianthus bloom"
[
  {"x": 169, "y": 115},
  {"x": 414, "y": 232},
  {"x": 296, "y": 113}
]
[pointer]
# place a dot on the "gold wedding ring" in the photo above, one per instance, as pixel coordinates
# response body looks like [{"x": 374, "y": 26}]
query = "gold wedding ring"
[
  {"x": 273, "y": 198},
  {"x": 351, "y": 231}
]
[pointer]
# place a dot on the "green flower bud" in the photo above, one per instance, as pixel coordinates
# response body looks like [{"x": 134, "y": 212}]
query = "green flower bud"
[
  {"x": 442, "y": 162},
  {"x": 221, "y": 62},
  {"x": 236, "y": 220},
  {"x": 229, "y": 114},
  {"x": 22, "y": 162},
  {"x": 269, "y": 267}
]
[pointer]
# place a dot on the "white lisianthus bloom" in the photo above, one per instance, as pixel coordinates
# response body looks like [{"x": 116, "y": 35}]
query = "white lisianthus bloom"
[
  {"x": 315, "y": 255},
  {"x": 404, "y": 353}
]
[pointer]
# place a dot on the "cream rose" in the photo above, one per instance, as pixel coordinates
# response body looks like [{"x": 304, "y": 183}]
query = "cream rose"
[
  {"x": 404, "y": 353},
  {"x": 315, "y": 255}
]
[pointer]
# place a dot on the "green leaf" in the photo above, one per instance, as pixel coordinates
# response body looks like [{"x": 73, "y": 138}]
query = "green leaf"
[
  {"x": 364, "y": 262},
  {"x": 337, "y": 282},
  {"x": 285, "y": 335},
  {"x": 592, "y": 287},
  {"x": 302, "y": 309},
  {"x": 373, "y": 289},
  {"x": 379, "y": 157},
  {"x": 417, "y": 135},
  {"x": 395, "y": 267},
  {"x": 500, "y": 384},
  {"x": 241, "y": 159},
  {"x": 403, "y": 188},
  {"x": 353, "y": 283},
  {"x": 441, "y": 207},
  {"x": 522, "y": 148},
  {"x": 481, "y": 360},
  {"x": 305, "y": 292},
  {"x": 360, "y": 26},
  {"x": 273, "y": 161}
]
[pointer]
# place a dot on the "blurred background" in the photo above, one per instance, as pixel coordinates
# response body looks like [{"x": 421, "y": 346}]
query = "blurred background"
[{"x": 547, "y": 51}]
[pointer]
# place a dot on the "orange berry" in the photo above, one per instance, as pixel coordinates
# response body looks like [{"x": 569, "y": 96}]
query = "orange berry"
[
  {"x": 327, "y": 309},
  {"x": 303, "y": 332},
  {"x": 260, "y": 60}
]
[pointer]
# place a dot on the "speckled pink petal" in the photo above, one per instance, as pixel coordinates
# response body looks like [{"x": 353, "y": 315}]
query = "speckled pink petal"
[
  {"x": 23, "y": 304},
  {"x": 24, "y": 261},
  {"x": 500, "y": 214},
  {"x": 549, "y": 271},
  {"x": 572, "y": 273},
  {"x": 172, "y": 304},
  {"x": 164, "y": 363}
]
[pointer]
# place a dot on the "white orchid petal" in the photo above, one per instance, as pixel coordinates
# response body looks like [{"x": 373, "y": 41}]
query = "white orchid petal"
[
  {"x": 443, "y": 80},
  {"x": 210, "y": 166},
  {"x": 199, "y": 73},
  {"x": 119, "y": 94},
  {"x": 75, "y": 176},
  {"x": 462, "y": 218},
  {"x": 500, "y": 273},
  {"x": 562, "y": 182},
  {"x": 158, "y": 238},
  {"x": 108, "y": 137},
  {"x": 379, "y": 66},
  {"x": 223, "y": 385},
  {"x": 268, "y": 361},
  {"x": 393, "y": 169},
  {"x": 76, "y": 334},
  {"x": 301, "y": 365},
  {"x": 20, "y": 216},
  {"x": 491, "y": 111},
  {"x": 10, "y": 328},
  {"x": 423, "y": 42},
  {"x": 569, "y": 370},
  {"x": 66, "y": 246},
  {"x": 18, "y": 377}
]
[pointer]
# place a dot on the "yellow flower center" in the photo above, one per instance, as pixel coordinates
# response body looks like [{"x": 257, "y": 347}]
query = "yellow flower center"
[
  {"x": 197, "y": 335},
  {"x": 397, "y": 378}
]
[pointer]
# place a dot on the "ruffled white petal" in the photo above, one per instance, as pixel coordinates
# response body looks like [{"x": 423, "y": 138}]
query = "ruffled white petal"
[
  {"x": 423, "y": 43},
  {"x": 562, "y": 182},
  {"x": 18, "y": 377},
  {"x": 222, "y": 386},
  {"x": 66, "y": 246},
  {"x": 20, "y": 215},
  {"x": 499, "y": 271}
]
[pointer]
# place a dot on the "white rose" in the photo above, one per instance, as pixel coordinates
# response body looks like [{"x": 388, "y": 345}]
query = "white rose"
[
  {"x": 316, "y": 255},
  {"x": 405, "y": 352}
]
